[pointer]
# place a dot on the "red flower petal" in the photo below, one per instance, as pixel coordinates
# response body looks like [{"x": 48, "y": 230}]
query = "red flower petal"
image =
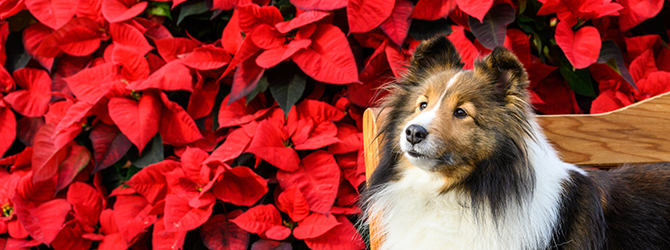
[
  {"x": 177, "y": 128},
  {"x": 643, "y": 65},
  {"x": 240, "y": 186},
  {"x": 266, "y": 37},
  {"x": 162, "y": 239},
  {"x": 79, "y": 37},
  {"x": 73, "y": 116},
  {"x": 301, "y": 20},
  {"x": 202, "y": 99},
  {"x": 6, "y": 81},
  {"x": 264, "y": 244},
  {"x": 137, "y": 120},
  {"x": 239, "y": 113},
  {"x": 314, "y": 226},
  {"x": 171, "y": 49},
  {"x": 180, "y": 217},
  {"x": 475, "y": 8},
  {"x": 223, "y": 4},
  {"x": 43, "y": 221},
  {"x": 191, "y": 164},
  {"x": 292, "y": 202},
  {"x": 364, "y": 16},
  {"x": 324, "y": 134},
  {"x": 245, "y": 79},
  {"x": 219, "y": 233},
  {"x": 397, "y": 25},
  {"x": 33, "y": 98},
  {"x": 150, "y": 181},
  {"x": 72, "y": 236},
  {"x": 319, "y": 111},
  {"x": 206, "y": 58},
  {"x": 319, "y": 4},
  {"x": 268, "y": 145},
  {"x": 112, "y": 242},
  {"x": 353, "y": 168},
  {"x": 86, "y": 203},
  {"x": 172, "y": 76},
  {"x": 87, "y": 85},
  {"x": 252, "y": 15},
  {"x": 32, "y": 39},
  {"x": 582, "y": 47},
  {"x": 109, "y": 145},
  {"x": 635, "y": 12},
  {"x": 236, "y": 143},
  {"x": 46, "y": 156},
  {"x": 655, "y": 84},
  {"x": 122, "y": 10},
  {"x": 52, "y": 13},
  {"x": 133, "y": 65},
  {"x": 317, "y": 178},
  {"x": 90, "y": 9},
  {"x": 259, "y": 219},
  {"x": 433, "y": 10},
  {"x": 608, "y": 101},
  {"x": 77, "y": 159},
  {"x": 329, "y": 58},
  {"x": 272, "y": 57},
  {"x": 344, "y": 236},
  {"x": 278, "y": 233},
  {"x": 10, "y": 8},
  {"x": 231, "y": 38},
  {"x": 7, "y": 129},
  {"x": 124, "y": 34},
  {"x": 465, "y": 48},
  {"x": 131, "y": 214}
]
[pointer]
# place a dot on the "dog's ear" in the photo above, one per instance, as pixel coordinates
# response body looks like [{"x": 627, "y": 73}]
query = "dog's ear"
[
  {"x": 438, "y": 52},
  {"x": 506, "y": 73}
]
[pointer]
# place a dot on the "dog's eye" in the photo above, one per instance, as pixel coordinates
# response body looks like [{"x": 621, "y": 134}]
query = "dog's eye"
[
  {"x": 423, "y": 105},
  {"x": 460, "y": 113}
]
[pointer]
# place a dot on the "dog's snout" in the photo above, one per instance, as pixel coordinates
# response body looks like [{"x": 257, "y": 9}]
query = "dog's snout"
[{"x": 416, "y": 133}]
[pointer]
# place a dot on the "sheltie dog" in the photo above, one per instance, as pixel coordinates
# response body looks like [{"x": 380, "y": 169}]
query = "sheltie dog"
[{"x": 464, "y": 165}]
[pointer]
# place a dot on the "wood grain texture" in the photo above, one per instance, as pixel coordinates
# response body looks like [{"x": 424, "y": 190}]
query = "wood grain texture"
[
  {"x": 639, "y": 133},
  {"x": 371, "y": 151}
]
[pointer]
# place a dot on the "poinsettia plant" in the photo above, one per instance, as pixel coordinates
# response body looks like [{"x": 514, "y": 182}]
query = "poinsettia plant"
[{"x": 236, "y": 124}]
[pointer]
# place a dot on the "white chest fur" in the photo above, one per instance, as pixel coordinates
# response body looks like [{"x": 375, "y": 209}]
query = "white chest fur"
[{"x": 415, "y": 216}]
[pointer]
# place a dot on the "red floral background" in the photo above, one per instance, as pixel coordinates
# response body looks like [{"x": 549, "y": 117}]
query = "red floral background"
[{"x": 236, "y": 124}]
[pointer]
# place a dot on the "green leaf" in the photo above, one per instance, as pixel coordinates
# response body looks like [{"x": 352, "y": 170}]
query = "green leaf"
[
  {"x": 17, "y": 57},
  {"x": 424, "y": 30},
  {"x": 261, "y": 87},
  {"x": 610, "y": 51},
  {"x": 159, "y": 9},
  {"x": 191, "y": 8},
  {"x": 522, "y": 6},
  {"x": 153, "y": 153},
  {"x": 288, "y": 93},
  {"x": 491, "y": 31},
  {"x": 579, "y": 80}
]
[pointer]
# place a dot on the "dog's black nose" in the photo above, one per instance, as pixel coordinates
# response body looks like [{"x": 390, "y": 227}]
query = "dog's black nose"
[{"x": 416, "y": 133}]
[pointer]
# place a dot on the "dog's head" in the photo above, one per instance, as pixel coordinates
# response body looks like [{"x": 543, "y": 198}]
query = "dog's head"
[{"x": 448, "y": 120}]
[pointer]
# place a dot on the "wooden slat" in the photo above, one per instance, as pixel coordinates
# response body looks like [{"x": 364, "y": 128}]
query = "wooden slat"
[
  {"x": 639, "y": 133},
  {"x": 371, "y": 151}
]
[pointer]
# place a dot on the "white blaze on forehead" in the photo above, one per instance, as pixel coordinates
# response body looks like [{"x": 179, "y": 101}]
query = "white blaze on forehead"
[{"x": 425, "y": 118}]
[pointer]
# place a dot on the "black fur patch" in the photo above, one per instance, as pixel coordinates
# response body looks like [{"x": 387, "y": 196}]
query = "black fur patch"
[{"x": 502, "y": 178}]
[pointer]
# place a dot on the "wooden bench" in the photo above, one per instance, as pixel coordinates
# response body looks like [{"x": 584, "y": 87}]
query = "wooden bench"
[{"x": 639, "y": 133}]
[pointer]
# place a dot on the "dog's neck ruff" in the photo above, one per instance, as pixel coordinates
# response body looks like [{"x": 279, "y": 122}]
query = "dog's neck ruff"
[{"x": 414, "y": 214}]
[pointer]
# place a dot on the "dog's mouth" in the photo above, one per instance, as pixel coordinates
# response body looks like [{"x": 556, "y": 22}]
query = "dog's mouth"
[{"x": 416, "y": 154}]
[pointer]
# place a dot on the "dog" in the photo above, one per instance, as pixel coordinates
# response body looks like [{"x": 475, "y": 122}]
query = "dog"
[{"x": 464, "y": 165}]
